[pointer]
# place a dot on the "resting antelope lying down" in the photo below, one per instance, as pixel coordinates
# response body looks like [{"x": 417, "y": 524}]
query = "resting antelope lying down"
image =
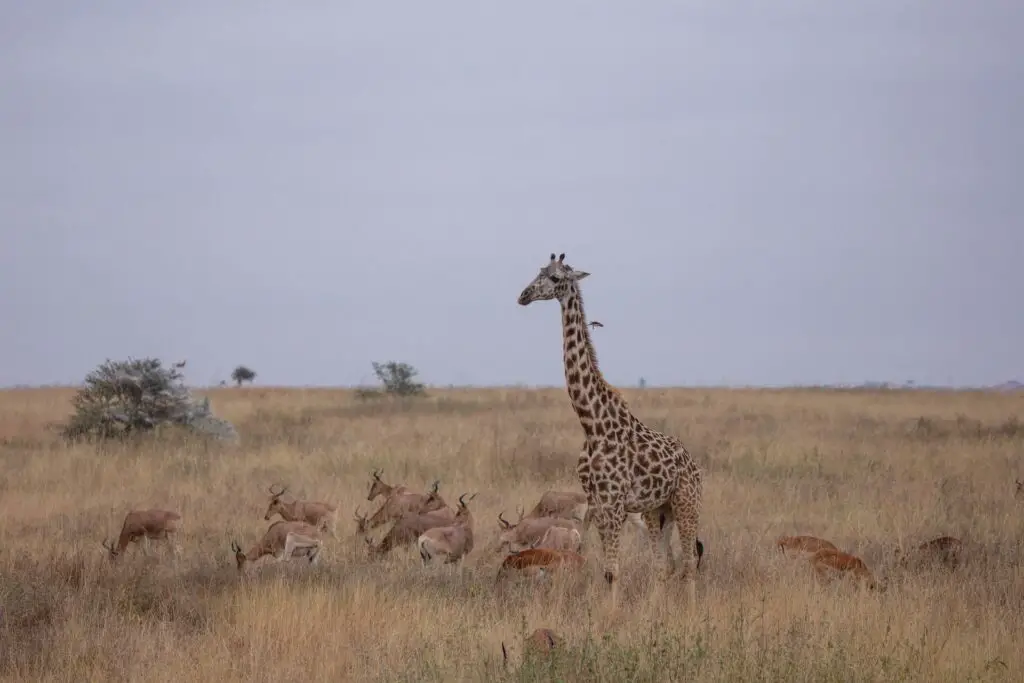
[
  {"x": 320, "y": 515},
  {"x": 145, "y": 525},
  {"x": 450, "y": 542},
  {"x": 541, "y": 642},
  {"x": 539, "y": 563},
  {"x": 803, "y": 544},
  {"x": 401, "y": 503},
  {"x": 529, "y": 532},
  {"x": 283, "y": 540},
  {"x": 408, "y": 529},
  {"x": 945, "y": 550}
]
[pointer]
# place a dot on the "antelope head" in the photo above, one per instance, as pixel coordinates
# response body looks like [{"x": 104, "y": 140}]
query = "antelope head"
[
  {"x": 275, "y": 502},
  {"x": 111, "y": 548},
  {"x": 377, "y": 487}
]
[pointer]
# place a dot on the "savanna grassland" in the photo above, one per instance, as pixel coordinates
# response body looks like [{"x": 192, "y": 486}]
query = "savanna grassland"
[{"x": 867, "y": 470}]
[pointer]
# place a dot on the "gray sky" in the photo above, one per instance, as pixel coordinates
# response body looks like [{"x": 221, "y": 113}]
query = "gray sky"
[{"x": 764, "y": 193}]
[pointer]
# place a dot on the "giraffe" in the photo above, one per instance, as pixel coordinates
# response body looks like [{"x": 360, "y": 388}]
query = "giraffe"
[{"x": 625, "y": 466}]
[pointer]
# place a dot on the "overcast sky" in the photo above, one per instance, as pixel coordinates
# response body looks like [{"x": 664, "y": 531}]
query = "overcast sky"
[{"x": 795, "y": 191}]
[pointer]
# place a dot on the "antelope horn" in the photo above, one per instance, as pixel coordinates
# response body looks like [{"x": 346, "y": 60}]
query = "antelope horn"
[
  {"x": 377, "y": 472},
  {"x": 235, "y": 547},
  {"x": 436, "y": 485},
  {"x": 462, "y": 503},
  {"x": 275, "y": 494},
  {"x": 501, "y": 520}
]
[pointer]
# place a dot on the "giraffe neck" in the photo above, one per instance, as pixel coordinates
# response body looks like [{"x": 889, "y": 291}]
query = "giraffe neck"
[{"x": 583, "y": 379}]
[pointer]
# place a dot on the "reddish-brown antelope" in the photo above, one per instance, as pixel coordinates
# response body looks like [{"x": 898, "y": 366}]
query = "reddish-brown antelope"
[
  {"x": 283, "y": 540},
  {"x": 408, "y": 529},
  {"x": 803, "y": 544},
  {"x": 379, "y": 488},
  {"x": 399, "y": 504},
  {"x": 321, "y": 515},
  {"x": 539, "y": 563},
  {"x": 541, "y": 642},
  {"x": 145, "y": 525},
  {"x": 944, "y": 550},
  {"x": 528, "y": 531},
  {"x": 828, "y": 563},
  {"x": 450, "y": 542}
]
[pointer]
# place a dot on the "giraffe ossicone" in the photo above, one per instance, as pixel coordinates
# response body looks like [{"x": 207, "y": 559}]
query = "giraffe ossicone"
[{"x": 626, "y": 466}]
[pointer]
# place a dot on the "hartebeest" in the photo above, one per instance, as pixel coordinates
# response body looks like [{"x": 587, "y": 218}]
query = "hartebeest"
[
  {"x": 319, "y": 514},
  {"x": 146, "y": 525},
  {"x": 379, "y": 488},
  {"x": 451, "y": 542},
  {"x": 561, "y": 538},
  {"x": 399, "y": 504},
  {"x": 803, "y": 544},
  {"x": 944, "y": 550},
  {"x": 283, "y": 540},
  {"x": 541, "y": 642},
  {"x": 528, "y": 531},
  {"x": 571, "y": 504},
  {"x": 408, "y": 529},
  {"x": 829, "y": 563}
]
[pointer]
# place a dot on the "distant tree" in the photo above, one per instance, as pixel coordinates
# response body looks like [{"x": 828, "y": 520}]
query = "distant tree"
[
  {"x": 121, "y": 398},
  {"x": 242, "y": 374},
  {"x": 397, "y": 380}
]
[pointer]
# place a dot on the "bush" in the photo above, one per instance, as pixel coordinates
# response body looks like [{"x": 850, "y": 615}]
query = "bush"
[
  {"x": 397, "y": 379},
  {"x": 121, "y": 398}
]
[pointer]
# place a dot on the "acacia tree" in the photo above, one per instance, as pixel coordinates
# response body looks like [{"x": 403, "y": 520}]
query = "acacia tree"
[{"x": 242, "y": 374}]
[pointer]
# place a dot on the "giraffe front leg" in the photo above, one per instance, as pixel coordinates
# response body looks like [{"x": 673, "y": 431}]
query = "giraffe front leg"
[{"x": 609, "y": 516}]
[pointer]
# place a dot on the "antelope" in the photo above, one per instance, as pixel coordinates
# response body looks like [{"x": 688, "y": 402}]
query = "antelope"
[
  {"x": 145, "y": 525},
  {"x": 320, "y": 515},
  {"x": 540, "y": 562},
  {"x": 454, "y": 541},
  {"x": 528, "y": 531},
  {"x": 541, "y": 642},
  {"x": 944, "y": 549},
  {"x": 561, "y": 538},
  {"x": 828, "y": 562},
  {"x": 409, "y": 528},
  {"x": 379, "y": 488},
  {"x": 283, "y": 540},
  {"x": 570, "y": 504},
  {"x": 399, "y": 504},
  {"x": 803, "y": 544}
]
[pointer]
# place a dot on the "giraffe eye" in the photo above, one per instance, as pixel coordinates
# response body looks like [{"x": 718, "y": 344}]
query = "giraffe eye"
[{"x": 553, "y": 279}]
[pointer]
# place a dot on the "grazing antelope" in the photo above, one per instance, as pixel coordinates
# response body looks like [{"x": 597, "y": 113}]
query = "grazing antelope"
[
  {"x": 944, "y": 549},
  {"x": 528, "y": 531},
  {"x": 539, "y": 563},
  {"x": 321, "y": 515},
  {"x": 379, "y": 488},
  {"x": 145, "y": 525},
  {"x": 803, "y": 544},
  {"x": 398, "y": 504},
  {"x": 283, "y": 540},
  {"x": 541, "y": 642},
  {"x": 453, "y": 542},
  {"x": 829, "y": 562},
  {"x": 408, "y": 529}
]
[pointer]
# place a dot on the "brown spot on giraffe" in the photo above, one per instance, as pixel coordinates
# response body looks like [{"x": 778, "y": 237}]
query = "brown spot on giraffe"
[{"x": 626, "y": 466}]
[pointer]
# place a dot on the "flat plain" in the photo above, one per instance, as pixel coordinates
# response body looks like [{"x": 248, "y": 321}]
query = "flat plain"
[{"x": 870, "y": 471}]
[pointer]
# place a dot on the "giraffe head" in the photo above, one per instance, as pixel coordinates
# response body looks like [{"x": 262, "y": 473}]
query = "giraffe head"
[{"x": 552, "y": 282}]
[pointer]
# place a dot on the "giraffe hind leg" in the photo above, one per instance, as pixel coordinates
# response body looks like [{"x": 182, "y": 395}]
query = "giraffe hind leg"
[
  {"x": 686, "y": 510},
  {"x": 660, "y": 534}
]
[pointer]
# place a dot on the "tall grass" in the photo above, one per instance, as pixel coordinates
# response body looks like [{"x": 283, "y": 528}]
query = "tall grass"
[{"x": 869, "y": 471}]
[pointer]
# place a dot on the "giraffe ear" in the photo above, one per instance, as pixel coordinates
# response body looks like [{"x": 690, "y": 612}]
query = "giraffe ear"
[{"x": 579, "y": 275}]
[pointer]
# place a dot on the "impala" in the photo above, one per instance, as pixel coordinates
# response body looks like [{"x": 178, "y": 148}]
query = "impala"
[
  {"x": 539, "y": 562},
  {"x": 803, "y": 544},
  {"x": 829, "y": 563}
]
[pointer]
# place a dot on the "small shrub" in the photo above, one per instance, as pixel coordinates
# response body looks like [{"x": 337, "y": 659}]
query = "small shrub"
[{"x": 121, "y": 398}]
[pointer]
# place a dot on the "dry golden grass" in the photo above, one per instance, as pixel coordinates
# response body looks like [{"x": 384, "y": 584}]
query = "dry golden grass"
[{"x": 864, "y": 470}]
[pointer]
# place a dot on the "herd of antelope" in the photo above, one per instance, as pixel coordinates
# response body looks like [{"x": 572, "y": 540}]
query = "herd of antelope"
[{"x": 546, "y": 541}]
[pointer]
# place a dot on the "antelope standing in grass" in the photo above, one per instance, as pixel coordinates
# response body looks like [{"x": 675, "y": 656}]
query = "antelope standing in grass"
[
  {"x": 399, "y": 504},
  {"x": 408, "y": 529},
  {"x": 541, "y": 642},
  {"x": 528, "y": 531},
  {"x": 145, "y": 525},
  {"x": 379, "y": 488},
  {"x": 803, "y": 544},
  {"x": 945, "y": 550},
  {"x": 539, "y": 563},
  {"x": 283, "y": 540},
  {"x": 319, "y": 514},
  {"x": 828, "y": 563},
  {"x": 451, "y": 542}
]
